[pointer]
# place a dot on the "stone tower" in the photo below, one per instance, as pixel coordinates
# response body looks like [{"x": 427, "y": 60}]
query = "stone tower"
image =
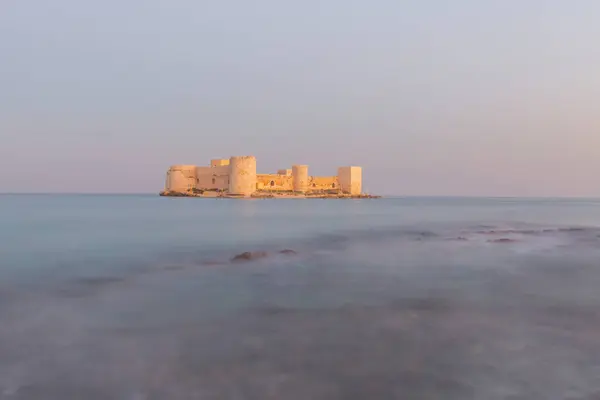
[
  {"x": 181, "y": 178},
  {"x": 242, "y": 175},
  {"x": 300, "y": 178}
]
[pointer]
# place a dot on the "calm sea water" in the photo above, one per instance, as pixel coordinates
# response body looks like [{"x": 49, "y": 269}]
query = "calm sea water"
[{"x": 134, "y": 297}]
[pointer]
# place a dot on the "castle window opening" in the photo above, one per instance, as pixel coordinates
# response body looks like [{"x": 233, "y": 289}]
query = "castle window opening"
[
  {"x": 314, "y": 185},
  {"x": 333, "y": 185},
  {"x": 272, "y": 183},
  {"x": 213, "y": 181}
]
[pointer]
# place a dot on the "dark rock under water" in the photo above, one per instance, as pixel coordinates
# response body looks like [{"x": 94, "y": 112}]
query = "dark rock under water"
[
  {"x": 249, "y": 256},
  {"x": 288, "y": 252},
  {"x": 503, "y": 240}
]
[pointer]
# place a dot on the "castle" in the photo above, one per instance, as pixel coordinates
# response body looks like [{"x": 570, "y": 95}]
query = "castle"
[{"x": 237, "y": 176}]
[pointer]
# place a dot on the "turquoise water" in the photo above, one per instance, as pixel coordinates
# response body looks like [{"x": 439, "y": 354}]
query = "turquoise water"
[{"x": 134, "y": 297}]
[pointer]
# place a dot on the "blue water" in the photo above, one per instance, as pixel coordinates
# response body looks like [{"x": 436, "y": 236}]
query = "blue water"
[{"x": 135, "y": 297}]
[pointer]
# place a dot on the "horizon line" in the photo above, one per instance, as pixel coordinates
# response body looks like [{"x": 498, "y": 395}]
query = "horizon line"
[{"x": 385, "y": 196}]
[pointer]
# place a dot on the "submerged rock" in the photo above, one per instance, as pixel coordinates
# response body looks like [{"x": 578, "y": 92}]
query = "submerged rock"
[
  {"x": 288, "y": 252},
  {"x": 459, "y": 239},
  {"x": 249, "y": 256},
  {"x": 502, "y": 240}
]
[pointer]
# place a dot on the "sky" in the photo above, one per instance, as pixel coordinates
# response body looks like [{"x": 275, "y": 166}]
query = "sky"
[{"x": 430, "y": 97}]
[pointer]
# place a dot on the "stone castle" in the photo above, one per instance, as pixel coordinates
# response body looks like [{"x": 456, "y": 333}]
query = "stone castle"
[{"x": 237, "y": 177}]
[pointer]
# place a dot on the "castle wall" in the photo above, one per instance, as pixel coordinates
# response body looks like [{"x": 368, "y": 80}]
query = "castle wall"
[
  {"x": 212, "y": 178},
  {"x": 242, "y": 175},
  {"x": 203, "y": 177},
  {"x": 323, "y": 183},
  {"x": 279, "y": 182},
  {"x": 350, "y": 179},
  {"x": 300, "y": 178},
  {"x": 181, "y": 178},
  {"x": 274, "y": 182},
  {"x": 287, "y": 172}
]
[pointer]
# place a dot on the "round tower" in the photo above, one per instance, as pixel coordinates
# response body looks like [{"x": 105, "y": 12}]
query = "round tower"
[
  {"x": 181, "y": 178},
  {"x": 300, "y": 178},
  {"x": 242, "y": 175}
]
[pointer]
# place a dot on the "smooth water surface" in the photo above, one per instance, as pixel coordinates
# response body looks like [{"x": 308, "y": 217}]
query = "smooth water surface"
[{"x": 135, "y": 297}]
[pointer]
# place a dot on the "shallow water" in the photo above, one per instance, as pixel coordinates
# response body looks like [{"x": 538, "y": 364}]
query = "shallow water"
[{"x": 133, "y": 297}]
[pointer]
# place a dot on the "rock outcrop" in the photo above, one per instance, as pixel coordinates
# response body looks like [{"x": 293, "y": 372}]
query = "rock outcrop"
[
  {"x": 249, "y": 256},
  {"x": 288, "y": 252}
]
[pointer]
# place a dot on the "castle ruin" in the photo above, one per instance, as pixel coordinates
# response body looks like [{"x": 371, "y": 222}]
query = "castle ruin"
[{"x": 237, "y": 177}]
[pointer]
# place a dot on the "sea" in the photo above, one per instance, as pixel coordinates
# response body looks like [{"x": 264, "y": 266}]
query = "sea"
[{"x": 135, "y": 297}]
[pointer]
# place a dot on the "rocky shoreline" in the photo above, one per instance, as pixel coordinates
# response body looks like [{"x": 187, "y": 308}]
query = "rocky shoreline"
[{"x": 267, "y": 195}]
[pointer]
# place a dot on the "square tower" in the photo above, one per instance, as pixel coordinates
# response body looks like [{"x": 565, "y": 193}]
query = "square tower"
[{"x": 350, "y": 180}]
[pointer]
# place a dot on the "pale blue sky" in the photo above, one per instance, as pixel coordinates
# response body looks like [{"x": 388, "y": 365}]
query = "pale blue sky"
[{"x": 461, "y": 97}]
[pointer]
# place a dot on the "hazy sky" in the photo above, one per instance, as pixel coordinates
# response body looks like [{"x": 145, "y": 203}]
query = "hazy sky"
[{"x": 462, "y": 97}]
